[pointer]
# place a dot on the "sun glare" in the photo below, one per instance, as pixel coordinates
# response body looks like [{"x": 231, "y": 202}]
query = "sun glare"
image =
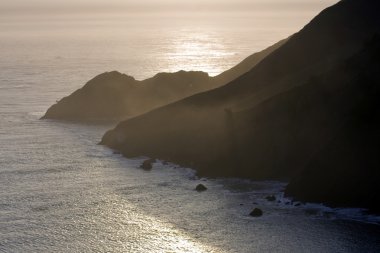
[{"x": 198, "y": 51}]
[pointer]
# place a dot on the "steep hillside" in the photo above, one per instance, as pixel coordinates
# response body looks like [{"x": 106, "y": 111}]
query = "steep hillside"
[
  {"x": 112, "y": 95},
  {"x": 270, "y": 122},
  {"x": 345, "y": 170},
  {"x": 115, "y": 96}
]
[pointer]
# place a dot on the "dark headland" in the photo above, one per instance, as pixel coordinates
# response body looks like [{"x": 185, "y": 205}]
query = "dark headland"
[
  {"x": 115, "y": 96},
  {"x": 309, "y": 112}
]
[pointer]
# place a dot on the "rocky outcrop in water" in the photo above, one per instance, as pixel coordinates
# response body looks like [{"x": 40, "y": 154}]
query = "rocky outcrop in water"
[
  {"x": 147, "y": 164},
  {"x": 200, "y": 188},
  {"x": 257, "y": 212}
]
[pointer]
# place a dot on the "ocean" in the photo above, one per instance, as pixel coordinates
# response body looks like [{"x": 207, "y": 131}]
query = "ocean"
[{"x": 61, "y": 192}]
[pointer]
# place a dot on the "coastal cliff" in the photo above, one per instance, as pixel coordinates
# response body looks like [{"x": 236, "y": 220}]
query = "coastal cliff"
[
  {"x": 345, "y": 170},
  {"x": 283, "y": 118}
]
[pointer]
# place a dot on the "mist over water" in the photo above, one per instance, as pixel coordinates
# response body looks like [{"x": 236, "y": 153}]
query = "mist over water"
[
  {"x": 60, "y": 192},
  {"x": 141, "y": 50},
  {"x": 142, "y": 38}
]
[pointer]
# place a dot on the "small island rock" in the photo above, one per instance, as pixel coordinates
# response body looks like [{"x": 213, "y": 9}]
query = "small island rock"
[
  {"x": 200, "y": 188},
  {"x": 147, "y": 164},
  {"x": 257, "y": 212}
]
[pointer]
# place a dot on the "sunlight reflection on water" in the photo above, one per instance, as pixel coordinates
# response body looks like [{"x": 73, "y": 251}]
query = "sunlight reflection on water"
[
  {"x": 198, "y": 50},
  {"x": 134, "y": 231}
]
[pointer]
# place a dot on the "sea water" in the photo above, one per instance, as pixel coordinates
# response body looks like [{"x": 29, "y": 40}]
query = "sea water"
[{"x": 61, "y": 192}]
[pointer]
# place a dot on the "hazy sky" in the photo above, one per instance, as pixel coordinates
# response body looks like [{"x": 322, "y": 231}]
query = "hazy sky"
[
  {"x": 10, "y": 7},
  {"x": 178, "y": 34}
]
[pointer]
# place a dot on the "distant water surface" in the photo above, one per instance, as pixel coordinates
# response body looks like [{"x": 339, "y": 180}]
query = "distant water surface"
[{"x": 60, "y": 192}]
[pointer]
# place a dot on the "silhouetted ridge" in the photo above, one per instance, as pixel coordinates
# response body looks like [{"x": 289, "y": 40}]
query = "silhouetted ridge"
[
  {"x": 272, "y": 121},
  {"x": 113, "y": 95}
]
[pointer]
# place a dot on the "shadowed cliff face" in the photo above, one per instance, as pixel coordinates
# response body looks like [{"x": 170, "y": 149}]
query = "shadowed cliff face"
[
  {"x": 112, "y": 95},
  {"x": 274, "y": 120},
  {"x": 346, "y": 169}
]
